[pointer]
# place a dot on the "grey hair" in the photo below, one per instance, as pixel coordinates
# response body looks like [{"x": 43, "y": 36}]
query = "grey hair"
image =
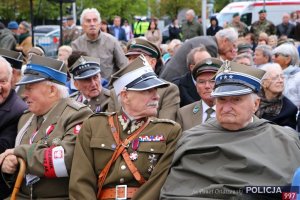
[
  {"x": 269, "y": 68},
  {"x": 62, "y": 90},
  {"x": 5, "y": 63},
  {"x": 290, "y": 50},
  {"x": 244, "y": 55},
  {"x": 254, "y": 96},
  {"x": 191, "y": 12},
  {"x": 229, "y": 33},
  {"x": 266, "y": 50},
  {"x": 190, "y": 57},
  {"x": 89, "y": 10}
]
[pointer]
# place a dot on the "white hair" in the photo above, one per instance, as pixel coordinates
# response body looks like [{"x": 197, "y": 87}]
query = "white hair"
[
  {"x": 269, "y": 68},
  {"x": 289, "y": 50},
  {"x": 89, "y": 10},
  {"x": 62, "y": 90},
  {"x": 5, "y": 63},
  {"x": 229, "y": 33},
  {"x": 191, "y": 12}
]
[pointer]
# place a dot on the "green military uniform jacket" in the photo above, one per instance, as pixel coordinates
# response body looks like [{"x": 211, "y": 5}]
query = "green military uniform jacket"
[
  {"x": 49, "y": 157},
  {"x": 70, "y": 34},
  {"x": 191, "y": 29},
  {"x": 169, "y": 102},
  {"x": 265, "y": 26},
  {"x": 213, "y": 163},
  {"x": 241, "y": 28},
  {"x": 190, "y": 115},
  {"x": 95, "y": 146},
  {"x": 96, "y": 104}
]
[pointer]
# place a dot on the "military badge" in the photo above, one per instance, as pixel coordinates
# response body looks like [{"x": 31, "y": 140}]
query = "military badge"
[
  {"x": 153, "y": 160},
  {"x": 50, "y": 129},
  {"x": 77, "y": 129},
  {"x": 56, "y": 142},
  {"x": 133, "y": 156},
  {"x": 134, "y": 145}
]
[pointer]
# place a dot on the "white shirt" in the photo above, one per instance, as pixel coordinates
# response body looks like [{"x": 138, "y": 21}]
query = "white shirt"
[{"x": 204, "y": 113}]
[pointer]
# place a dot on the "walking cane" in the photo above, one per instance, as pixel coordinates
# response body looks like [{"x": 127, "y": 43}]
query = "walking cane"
[{"x": 19, "y": 179}]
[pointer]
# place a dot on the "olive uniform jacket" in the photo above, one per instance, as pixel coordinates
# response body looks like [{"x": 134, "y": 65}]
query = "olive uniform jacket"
[
  {"x": 96, "y": 104},
  {"x": 50, "y": 155},
  {"x": 190, "y": 115},
  {"x": 169, "y": 102},
  {"x": 95, "y": 146}
]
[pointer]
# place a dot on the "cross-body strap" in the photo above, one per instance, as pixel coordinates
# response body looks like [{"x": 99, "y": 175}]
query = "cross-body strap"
[{"x": 118, "y": 151}]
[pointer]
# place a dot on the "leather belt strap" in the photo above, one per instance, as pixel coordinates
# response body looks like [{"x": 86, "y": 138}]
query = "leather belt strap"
[
  {"x": 121, "y": 145},
  {"x": 113, "y": 193}
]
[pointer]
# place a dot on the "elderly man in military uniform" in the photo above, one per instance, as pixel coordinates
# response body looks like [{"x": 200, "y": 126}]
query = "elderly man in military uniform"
[
  {"x": 200, "y": 111},
  {"x": 46, "y": 133},
  {"x": 130, "y": 151},
  {"x": 262, "y": 25},
  {"x": 87, "y": 79},
  {"x": 239, "y": 26},
  {"x": 169, "y": 96},
  {"x": 217, "y": 159}
]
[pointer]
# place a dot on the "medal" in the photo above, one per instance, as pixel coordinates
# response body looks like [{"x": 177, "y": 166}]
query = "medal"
[{"x": 134, "y": 145}]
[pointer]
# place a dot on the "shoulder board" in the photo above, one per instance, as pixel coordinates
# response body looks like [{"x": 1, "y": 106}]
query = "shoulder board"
[
  {"x": 74, "y": 94},
  {"x": 106, "y": 91},
  {"x": 104, "y": 114},
  {"x": 157, "y": 120},
  {"x": 75, "y": 104}
]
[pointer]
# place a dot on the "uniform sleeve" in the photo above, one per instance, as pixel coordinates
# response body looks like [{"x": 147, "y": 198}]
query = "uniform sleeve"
[
  {"x": 179, "y": 118},
  {"x": 151, "y": 189},
  {"x": 170, "y": 103},
  {"x": 54, "y": 161},
  {"x": 120, "y": 59},
  {"x": 82, "y": 173}
]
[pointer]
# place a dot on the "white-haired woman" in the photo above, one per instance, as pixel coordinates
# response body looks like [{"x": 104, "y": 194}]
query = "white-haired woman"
[{"x": 274, "y": 106}]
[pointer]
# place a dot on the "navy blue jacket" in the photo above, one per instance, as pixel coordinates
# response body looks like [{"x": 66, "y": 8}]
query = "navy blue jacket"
[{"x": 122, "y": 34}]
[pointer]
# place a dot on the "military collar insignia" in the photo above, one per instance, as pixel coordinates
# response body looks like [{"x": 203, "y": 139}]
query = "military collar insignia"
[
  {"x": 124, "y": 120},
  {"x": 196, "y": 109},
  {"x": 208, "y": 62},
  {"x": 131, "y": 125}
]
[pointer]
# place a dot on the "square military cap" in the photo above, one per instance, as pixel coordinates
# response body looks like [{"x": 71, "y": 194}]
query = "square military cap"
[
  {"x": 13, "y": 57},
  {"x": 207, "y": 65},
  {"x": 138, "y": 46},
  {"x": 43, "y": 68},
  {"x": 262, "y": 11},
  {"x": 85, "y": 67},
  {"x": 136, "y": 76},
  {"x": 244, "y": 47},
  {"x": 236, "y": 14},
  {"x": 234, "y": 79}
]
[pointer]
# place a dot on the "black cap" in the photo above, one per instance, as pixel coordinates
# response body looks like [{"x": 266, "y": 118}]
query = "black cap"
[
  {"x": 262, "y": 11},
  {"x": 43, "y": 68},
  {"x": 235, "y": 79},
  {"x": 85, "y": 67},
  {"x": 138, "y": 46},
  {"x": 236, "y": 14},
  {"x": 207, "y": 65},
  {"x": 137, "y": 76},
  {"x": 13, "y": 57}
]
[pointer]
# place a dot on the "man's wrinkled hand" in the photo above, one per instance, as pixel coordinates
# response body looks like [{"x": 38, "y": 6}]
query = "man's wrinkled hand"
[
  {"x": 10, "y": 164},
  {"x": 6, "y": 153}
]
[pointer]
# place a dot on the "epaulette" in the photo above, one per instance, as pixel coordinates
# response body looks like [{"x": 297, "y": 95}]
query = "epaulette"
[
  {"x": 74, "y": 94},
  {"x": 75, "y": 104},
  {"x": 157, "y": 120},
  {"x": 26, "y": 111}
]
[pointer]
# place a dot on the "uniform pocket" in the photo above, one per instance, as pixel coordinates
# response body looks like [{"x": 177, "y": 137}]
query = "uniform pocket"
[{"x": 152, "y": 147}]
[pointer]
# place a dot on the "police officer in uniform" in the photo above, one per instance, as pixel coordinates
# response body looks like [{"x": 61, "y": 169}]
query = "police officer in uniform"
[
  {"x": 46, "y": 132},
  {"x": 87, "y": 79},
  {"x": 130, "y": 151},
  {"x": 262, "y": 25},
  {"x": 200, "y": 111},
  {"x": 169, "y": 96}
]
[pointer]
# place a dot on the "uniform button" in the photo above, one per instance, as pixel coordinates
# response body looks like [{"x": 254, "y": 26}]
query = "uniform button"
[
  {"x": 97, "y": 99},
  {"x": 102, "y": 145},
  {"x": 123, "y": 167},
  {"x": 151, "y": 149},
  {"x": 89, "y": 105},
  {"x": 121, "y": 180}
]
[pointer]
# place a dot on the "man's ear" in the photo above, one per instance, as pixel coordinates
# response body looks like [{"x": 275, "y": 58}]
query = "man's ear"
[
  {"x": 124, "y": 96},
  {"x": 256, "y": 104},
  {"x": 76, "y": 84}
]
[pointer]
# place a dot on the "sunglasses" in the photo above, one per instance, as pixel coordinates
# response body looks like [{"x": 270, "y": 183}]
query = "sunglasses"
[{"x": 280, "y": 54}]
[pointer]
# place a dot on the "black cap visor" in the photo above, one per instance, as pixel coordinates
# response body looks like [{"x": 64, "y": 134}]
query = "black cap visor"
[{"x": 148, "y": 84}]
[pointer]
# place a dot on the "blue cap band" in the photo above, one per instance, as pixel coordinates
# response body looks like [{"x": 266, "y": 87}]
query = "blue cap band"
[{"x": 48, "y": 72}]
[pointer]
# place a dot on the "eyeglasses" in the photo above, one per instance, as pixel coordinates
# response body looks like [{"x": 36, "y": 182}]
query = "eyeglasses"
[
  {"x": 280, "y": 54},
  {"x": 203, "y": 82},
  {"x": 277, "y": 77}
]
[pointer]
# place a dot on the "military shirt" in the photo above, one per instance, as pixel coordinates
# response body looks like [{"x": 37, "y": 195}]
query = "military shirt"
[
  {"x": 48, "y": 151},
  {"x": 70, "y": 34},
  {"x": 240, "y": 27},
  {"x": 96, "y": 104},
  {"x": 265, "y": 26},
  {"x": 151, "y": 154},
  {"x": 191, "y": 29}
]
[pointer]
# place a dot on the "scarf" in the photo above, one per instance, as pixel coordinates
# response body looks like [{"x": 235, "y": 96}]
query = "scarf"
[
  {"x": 270, "y": 107},
  {"x": 22, "y": 37}
]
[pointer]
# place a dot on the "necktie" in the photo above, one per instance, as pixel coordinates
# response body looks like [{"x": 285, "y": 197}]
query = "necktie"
[
  {"x": 209, "y": 111},
  {"x": 39, "y": 123}
]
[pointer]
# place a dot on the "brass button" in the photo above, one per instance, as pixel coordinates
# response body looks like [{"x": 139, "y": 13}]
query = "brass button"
[
  {"x": 122, "y": 180},
  {"x": 151, "y": 149},
  {"x": 102, "y": 145},
  {"x": 123, "y": 167}
]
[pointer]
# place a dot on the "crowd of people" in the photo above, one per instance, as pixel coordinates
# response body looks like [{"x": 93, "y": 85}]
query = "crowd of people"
[{"x": 118, "y": 115}]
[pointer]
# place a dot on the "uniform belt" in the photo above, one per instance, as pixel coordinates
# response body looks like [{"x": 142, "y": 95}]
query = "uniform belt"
[{"x": 119, "y": 192}]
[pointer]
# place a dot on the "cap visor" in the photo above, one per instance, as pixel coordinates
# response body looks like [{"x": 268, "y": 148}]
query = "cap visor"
[
  {"x": 133, "y": 53},
  {"x": 87, "y": 74},
  {"x": 14, "y": 63},
  {"x": 231, "y": 90},
  {"x": 26, "y": 79},
  {"x": 148, "y": 84}
]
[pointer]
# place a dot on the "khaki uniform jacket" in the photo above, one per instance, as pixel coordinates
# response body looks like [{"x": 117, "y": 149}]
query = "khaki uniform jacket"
[
  {"x": 26, "y": 45},
  {"x": 65, "y": 120},
  {"x": 95, "y": 146},
  {"x": 105, "y": 47},
  {"x": 190, "y": 115},
  {"x": 213, "y": 163},
  {"x": 169, "y": 102},
  {"x": 96, "y": 104},
  {"x": 70, "y": 34}
]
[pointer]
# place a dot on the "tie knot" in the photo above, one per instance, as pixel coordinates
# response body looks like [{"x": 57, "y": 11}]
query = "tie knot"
[{"x": 209, "y": 111}]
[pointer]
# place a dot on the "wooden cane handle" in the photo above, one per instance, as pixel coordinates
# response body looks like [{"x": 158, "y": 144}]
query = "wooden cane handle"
[{"x": 19, "y": 180}]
